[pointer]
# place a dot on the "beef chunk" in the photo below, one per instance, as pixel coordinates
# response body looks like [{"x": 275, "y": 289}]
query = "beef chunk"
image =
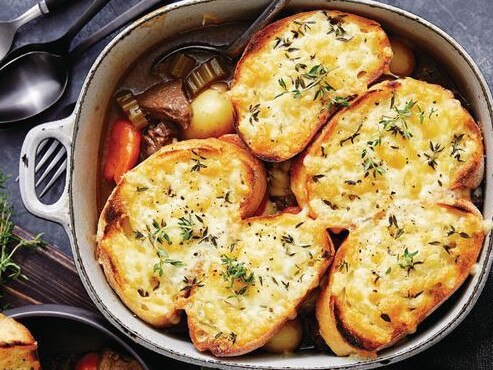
[
  {"x": 156, "y": 136},
  {"x": 166, "y": 101}
]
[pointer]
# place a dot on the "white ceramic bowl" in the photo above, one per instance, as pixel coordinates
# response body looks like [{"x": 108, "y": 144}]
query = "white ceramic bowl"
[{"x": 80, "y": 133}]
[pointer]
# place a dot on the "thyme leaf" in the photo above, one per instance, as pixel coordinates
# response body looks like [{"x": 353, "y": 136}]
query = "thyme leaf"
[{"x": 10, "y": 243}]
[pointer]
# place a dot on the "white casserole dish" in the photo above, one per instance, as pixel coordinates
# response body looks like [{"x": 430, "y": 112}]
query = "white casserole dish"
[{"x": 81, "y": 132}]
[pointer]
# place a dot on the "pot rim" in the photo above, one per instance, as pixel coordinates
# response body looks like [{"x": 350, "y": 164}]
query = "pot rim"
[{"x": 406, "y": 350}]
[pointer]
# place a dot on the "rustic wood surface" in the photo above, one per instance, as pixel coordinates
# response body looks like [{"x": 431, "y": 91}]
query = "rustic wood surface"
[{"x": 51, "y": 278}]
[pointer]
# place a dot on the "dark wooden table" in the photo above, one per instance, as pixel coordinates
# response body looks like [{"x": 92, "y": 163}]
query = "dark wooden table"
[{"x": 470, "y": 346}]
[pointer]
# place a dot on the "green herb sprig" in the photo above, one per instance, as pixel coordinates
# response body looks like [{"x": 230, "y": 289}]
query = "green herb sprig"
[
  {"x": 237, "y": 272},
  {"x": 10, "y": 243}
]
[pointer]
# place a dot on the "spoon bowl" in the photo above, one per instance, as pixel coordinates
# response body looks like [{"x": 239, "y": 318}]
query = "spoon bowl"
[
  {"x": 30, "y": 84},
  {"x": 36, "y": 75}
]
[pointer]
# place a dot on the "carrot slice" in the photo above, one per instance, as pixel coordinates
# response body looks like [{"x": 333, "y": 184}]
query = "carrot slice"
[{"x": 123, "y": 150}]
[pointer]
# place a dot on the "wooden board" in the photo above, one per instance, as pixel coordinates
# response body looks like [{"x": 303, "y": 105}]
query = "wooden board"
[{"x": 51, "y": 278}]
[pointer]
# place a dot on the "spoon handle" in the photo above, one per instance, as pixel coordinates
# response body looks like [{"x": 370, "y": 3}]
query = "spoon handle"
[
  {"x": 90, "y": 12},
  {"x": 53, "y": 4},
  {"x": 235, "y": 48},
  {"x": 132, "y": 13}
]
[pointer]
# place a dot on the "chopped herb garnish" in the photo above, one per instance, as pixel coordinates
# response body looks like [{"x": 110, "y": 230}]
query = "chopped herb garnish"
[
  {"x": 191, "y": 283},
  {"x": 142, "y": 188},
  {"x": 313, "y": 79},
  {"x": 316, "y": 178},
  {"x": 164, "y": 259},
  {"x": 236, "y": 272},
  {"x": 431, "y": 158},
  {"x": 186, "y": 226},
  {"x": 394, "y": 230},
  {"x": 254, "y": 112},
  {"x": 198, "y": 162},
  {"x": 286, "y": 238},
  {"x": 335, "y": 26},
  {"x": 408, "y": 262},
  {"x": 397, "y": 124},
  {"x": 351, "y": 137},
  {"x": 158, "y": 232},
  {"x": 338, "y": 101},
  {"x": 232, "y": 337},
  {"x": 456, "y": 150},
  {"x": 330, "y": 204}
]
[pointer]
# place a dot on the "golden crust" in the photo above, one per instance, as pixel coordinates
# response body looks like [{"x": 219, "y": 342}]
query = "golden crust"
[
  {"x": 121, "y": 216},
  {"x": 175, "y": 230},
  {"x": 365, "y": 311},
  {"x": 285, "y": 124},
  {"x": 330, "y": 178},
  {"x": 278, "y": 274},
  {"x": 17, "y": 346},
  {"x": 426, "y": 155}
]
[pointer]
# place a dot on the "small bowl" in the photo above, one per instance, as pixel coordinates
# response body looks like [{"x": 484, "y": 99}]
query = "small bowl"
[{"x": 67, "y": 329}]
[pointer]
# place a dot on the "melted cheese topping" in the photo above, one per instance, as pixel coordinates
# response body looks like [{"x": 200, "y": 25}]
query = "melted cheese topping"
[
  {"x": 179, "y": 204},
  {"x": 286, "y": 254},
  {"x": 178, "y": 242},
  {"x": 368, "y": 156},
  {"x": 386, "y": 281},
  {"x": 275, "y": 121}
]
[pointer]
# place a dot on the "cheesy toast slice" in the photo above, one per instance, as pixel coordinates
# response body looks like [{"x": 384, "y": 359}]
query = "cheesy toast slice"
[
  {"x": 296, "y": 71},
  {"x": 403, "y": 139},
  {"x": 175, "y": 235},
  {"x": 394, "y": 270},
  {"x": 158, "y": 223},
  {"x": 17, "y": 346},
  {"x": 284, "y": 256}
]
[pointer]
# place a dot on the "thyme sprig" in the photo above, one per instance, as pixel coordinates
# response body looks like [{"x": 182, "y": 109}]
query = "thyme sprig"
[
  {"x": 164, "y": 259},
  {"x": 456, "y": 150},
  {"x": 397, "y": 123},
  {"x": 254, "y": 112},
  {"x": 407, "y": 261},
  {"x": 186, "y": 226},
  {"x": 10, "y": 243},
  {"x": 370, "y": 163},
  {"x": 314, "y": 79},
  {"x": 431, "y": 158},
  {"x": 237, "y": 272},
  {"x": 198, "y": 162},
  {"x": 335, "y": 26}
]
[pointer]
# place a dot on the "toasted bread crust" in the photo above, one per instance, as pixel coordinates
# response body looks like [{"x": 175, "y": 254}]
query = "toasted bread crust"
[
  {"x": 17, "y": 346},
  {"x": 263, "y": 139},
  {"x": 347, "y": 333},
  {"x": 178, "y": 238},
  {"x": 406, "y": 162},
  {"x": 115, "y": 215},
  {"x": 265, "y": 326}
]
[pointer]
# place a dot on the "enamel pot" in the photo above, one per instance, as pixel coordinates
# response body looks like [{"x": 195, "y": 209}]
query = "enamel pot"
[{"x": 81, "y": 133}]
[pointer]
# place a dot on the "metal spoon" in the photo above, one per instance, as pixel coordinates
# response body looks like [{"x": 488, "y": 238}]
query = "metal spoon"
[
  {"x": 233, "y": 50},
  {"x": 36, "y": 75},
  {"x": 31, "y": 83},
  {"x": 9, "y": 29}
]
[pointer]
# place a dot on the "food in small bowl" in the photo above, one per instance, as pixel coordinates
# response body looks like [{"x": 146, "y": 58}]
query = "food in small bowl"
[{"x": 60, "y": 337}]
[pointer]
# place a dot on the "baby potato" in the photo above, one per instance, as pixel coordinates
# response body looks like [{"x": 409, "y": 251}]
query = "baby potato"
[
  {"x": 403, "y": 61},
  {"x": 287, "y": 339},
  {"x": 213, "y": 115}
]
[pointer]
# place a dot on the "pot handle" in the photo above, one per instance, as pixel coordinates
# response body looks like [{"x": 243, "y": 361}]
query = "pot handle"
[{"x": 62, "y": 131}]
